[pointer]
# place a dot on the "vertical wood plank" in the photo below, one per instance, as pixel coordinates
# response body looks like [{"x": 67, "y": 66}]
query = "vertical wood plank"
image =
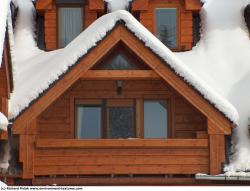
[
  {"x": 72, "y": 116},
  {"x": 139, "y": 119},
  {"x": 217, "y": 153},
  {"x": 28, "y": 157}
]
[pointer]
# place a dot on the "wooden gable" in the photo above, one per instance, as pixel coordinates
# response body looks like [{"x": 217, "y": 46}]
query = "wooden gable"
[{"x": 121, "y": 34}]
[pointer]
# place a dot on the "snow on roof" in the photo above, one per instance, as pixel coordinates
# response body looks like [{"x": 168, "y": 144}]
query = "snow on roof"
[
  {"x": 2, "y": 184},
  {"x": 222, "y": 58},
  {"x": 56, "y": 63},
  {"x": 4, "y": 9},
  {"x": 3, "y": 122},
  {"x": 115, "y": 5}
]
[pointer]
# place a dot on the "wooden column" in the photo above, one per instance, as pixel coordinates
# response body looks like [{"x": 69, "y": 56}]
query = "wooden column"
[
  {"x": 216, "y": 149},
  {"x": 26, "y": 150}
]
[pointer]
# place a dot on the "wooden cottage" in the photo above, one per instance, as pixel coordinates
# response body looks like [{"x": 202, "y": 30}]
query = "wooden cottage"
[{"x": 121, "y": 114}]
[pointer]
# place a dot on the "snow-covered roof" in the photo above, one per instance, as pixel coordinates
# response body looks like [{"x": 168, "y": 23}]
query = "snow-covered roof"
[
  {"x": 56, "y": 63},
  {"x": 3, "y": 122},
  {"x": 4, "y": 9}
]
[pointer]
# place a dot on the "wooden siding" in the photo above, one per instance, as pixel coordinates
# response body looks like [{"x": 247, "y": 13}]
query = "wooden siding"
[
  {"x": 184, "y": 21},
  {"x": 134, "y": 157},
  {"x": 56, "y": 121}
]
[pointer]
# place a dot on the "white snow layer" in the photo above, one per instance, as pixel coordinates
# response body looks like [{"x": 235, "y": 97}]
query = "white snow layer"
[
  {"x": 2, "y": 184},
  {"x": 53, "y": 64},
  {"x": 115, "y": 5},
  {"x": 3, "y": 122},
  {"x": 4, "y": 9},
  {"x": 222, "y": 59},
  {"x": 12, "y": 46}
]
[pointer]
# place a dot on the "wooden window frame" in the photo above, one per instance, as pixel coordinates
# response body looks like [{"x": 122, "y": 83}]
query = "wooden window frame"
[
  {"x": 178, "y": 20},
  {"x": 137, "y": 103},
  {"x": 82, "y": 6}
]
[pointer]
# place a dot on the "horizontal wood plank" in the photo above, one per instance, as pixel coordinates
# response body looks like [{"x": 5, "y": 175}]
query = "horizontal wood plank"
[
  {"x": 120, "y": 74},
  {"x": 119, "y": 152},
  {"x": 121, "y": 169},
  {"x": 120, "y": 160},
  {"x": 91, "y": 181},
  {"x": 129, "y": 143}
]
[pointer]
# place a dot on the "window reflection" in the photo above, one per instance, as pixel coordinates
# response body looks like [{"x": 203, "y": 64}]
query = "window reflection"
[
  {"x": 155, "y": 119},
  {"x": 166, "y": 25}
]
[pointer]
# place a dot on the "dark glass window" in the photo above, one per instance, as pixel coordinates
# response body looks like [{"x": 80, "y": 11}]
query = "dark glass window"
[
  {"x": 155, "y": 119},
  {"x": 121, "y": 58},
  {"x": 166, "y": 26},
  {"x": 121, "y": 122},
  {"x": 89, "y": 122},
  {"x": 119, "y": 62},
  {"x": 70, "y": 24}
]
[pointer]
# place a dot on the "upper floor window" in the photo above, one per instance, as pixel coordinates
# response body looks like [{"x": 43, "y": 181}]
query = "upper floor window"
[
  {"x": 70, "y": 24},
  {"x": 119, "y": 119},
  {"x": 166, "y": 26},
  {"x": 155, "y": 119}
]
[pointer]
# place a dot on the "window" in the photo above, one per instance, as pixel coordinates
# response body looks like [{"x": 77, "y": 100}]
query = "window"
[
  {"x": 119, "y": 62},
  {"x": 166, "y": 26},
  {"x": 89, "y": 121},
  {"x": 121, "y": 119},
  {"x": 155, "y": 119},
  {"x": 70, "y": 24},
  {"x": 121, "y": 58},
  {"x": 116, "y": 119},
  {"x": 113, "y": 119}
]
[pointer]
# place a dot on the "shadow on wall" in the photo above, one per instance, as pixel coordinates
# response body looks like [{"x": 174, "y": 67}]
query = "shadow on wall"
[{"x": 247, "y": 16}]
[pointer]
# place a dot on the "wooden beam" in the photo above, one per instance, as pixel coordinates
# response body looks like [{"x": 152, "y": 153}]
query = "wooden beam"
[
  {"x": 131, "y": 143},
  {"x": 217, "y": 153},
  {"x": 92, "y": 181},
  {"x": 28, "y": 157},
  {"x": 120, "y": 75}
]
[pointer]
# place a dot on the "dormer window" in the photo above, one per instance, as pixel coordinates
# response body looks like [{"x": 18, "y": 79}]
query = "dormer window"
[
  {"x": 166, "y": 26},
  {"x": 70, "y": 19}
]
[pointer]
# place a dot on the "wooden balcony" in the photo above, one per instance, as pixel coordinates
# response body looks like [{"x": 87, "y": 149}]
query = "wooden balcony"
[{"x": 130, "y": 156}]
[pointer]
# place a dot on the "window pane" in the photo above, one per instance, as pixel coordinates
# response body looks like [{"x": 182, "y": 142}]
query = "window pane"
[
  {"x": 121, "y": 122},
  {"x": 89, "y": 122},
  {"x": 70, "y": 24},
  {"x": 166, "y": 20},
  {"x": 119, "y": 62},
  {"x": 155, "y": 119}
]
